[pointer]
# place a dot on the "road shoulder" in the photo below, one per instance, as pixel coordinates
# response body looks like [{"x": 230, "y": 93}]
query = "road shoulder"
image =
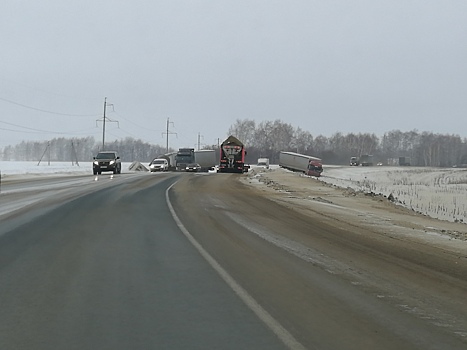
[{"x": 346, "y": 207}]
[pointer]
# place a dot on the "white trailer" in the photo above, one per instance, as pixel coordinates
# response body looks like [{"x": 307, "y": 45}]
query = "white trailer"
[
  {"x": 206, "y": 158},
  {"x": 170, "y": 157},
  {"x": 296, "y": 161}
]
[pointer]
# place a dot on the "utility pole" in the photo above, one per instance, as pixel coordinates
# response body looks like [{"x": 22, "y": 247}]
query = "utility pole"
[
  {"x": 47, "y": 150},
  {"x": 199, "y": 141},
  {"x": 74, "y": 154},
  {"x": 167, "y": 133},
  {"x": 103, "y": 123},
  {"x": 105, "y": 119}
]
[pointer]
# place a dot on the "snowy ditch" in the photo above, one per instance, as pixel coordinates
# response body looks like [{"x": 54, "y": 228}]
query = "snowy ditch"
[
  {"x": 439, "y": 193},
  {"x": 436, "y": 192}
]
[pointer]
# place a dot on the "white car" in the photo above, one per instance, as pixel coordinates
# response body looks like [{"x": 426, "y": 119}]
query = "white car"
[{"x": 159, "y": 164}]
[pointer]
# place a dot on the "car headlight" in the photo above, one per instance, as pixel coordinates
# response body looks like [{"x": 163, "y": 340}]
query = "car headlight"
[
  {"x": 96, "y": 162},
  {"x": 111, "y": 162}
]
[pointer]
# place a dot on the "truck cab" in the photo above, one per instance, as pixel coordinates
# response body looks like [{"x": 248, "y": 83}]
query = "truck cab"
[
  {"x": 354, "y": 161},
  {"x": 184, "y": 157}
]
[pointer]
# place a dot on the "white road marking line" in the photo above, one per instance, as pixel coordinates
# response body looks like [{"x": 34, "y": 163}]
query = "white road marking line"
[{"x": 263, "y": 315}]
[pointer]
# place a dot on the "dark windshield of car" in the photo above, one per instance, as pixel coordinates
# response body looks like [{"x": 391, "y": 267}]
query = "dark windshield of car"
[
  {"x": 105, "y": 156},
  {"x": 158, "y": 161}
]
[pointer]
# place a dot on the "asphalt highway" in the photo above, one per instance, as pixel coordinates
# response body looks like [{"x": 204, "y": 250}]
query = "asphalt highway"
[
  {"x": 112, "y": 270},
  {"x": 200, "y": 261}
]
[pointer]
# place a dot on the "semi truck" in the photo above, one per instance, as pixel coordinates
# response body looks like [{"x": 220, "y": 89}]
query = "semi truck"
[
  {"x": 309, "y": 165},
  {"x": 184, "y": 157},
  {"x": 404, "y": 161},
  {"x": 206, "y": 158},
  {"x": 366, "y": 160},
  {"x": 232, "y": 156}
]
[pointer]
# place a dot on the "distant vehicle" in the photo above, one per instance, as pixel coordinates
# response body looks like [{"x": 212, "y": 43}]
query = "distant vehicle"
[
  {"x": 106, "y": 161},
  {"x": 159, "y": 164},
  {"x": 206, "y": 158},
  {"x": 354, "y": 161},
  {"x": 315, "y": 168},
  {"x": 404, "y": 161},
  {"x": 366, "y": 160},
  {"x": 193, "y": 167},
  {"x": 263, "y": 162},
  {"x": 232, "y": 156},
  {"x": 184, "y": 156},
  {"x": 170, "y": 157},
  {"x": 309, "y": 165}
]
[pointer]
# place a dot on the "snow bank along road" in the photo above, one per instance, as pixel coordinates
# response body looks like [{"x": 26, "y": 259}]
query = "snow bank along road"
[{"x": 103, "y": 264}]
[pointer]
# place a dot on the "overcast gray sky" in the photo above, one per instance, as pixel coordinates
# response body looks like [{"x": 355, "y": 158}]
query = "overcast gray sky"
[{"x": 323, "y": 66}]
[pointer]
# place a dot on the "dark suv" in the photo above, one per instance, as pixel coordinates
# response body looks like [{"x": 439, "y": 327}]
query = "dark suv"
[{"x": 107, "y": 161}]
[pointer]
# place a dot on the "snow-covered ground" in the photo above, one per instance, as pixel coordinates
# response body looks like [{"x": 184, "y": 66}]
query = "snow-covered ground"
[
  {"x": 437, "y": 192},
  {"x": 440, "y": 193},
  {"x": 8, "y": 169}
]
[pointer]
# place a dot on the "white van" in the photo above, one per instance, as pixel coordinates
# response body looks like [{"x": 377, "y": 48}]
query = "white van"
[{"x": 263, "y": 163}]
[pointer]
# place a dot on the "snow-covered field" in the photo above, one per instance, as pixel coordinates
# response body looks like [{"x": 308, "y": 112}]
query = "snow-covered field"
[
  {"x": 8, "y": 169},
  {"x": 437, "y": 192}
]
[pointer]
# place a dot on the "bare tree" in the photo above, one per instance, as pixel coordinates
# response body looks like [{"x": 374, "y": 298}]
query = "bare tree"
[
  {"x": 244, "y": 130},
  {"x": 302, "y": 142}
]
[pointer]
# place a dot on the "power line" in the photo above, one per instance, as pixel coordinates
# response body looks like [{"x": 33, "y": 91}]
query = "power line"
[
  {"x": 48, "y": 92},
  {"x": 46, "y": 111},
  {"x": 41, "y": 131},
  {"x": 25, "y": 127},
  {"x": 132, "y": 122},
  {"x": 27, "y": 132}
]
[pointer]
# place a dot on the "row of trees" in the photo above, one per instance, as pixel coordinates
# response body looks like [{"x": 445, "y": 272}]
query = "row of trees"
[
  {"x": 79, "y": 149},
  {"x": 268, "y": 138}
]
